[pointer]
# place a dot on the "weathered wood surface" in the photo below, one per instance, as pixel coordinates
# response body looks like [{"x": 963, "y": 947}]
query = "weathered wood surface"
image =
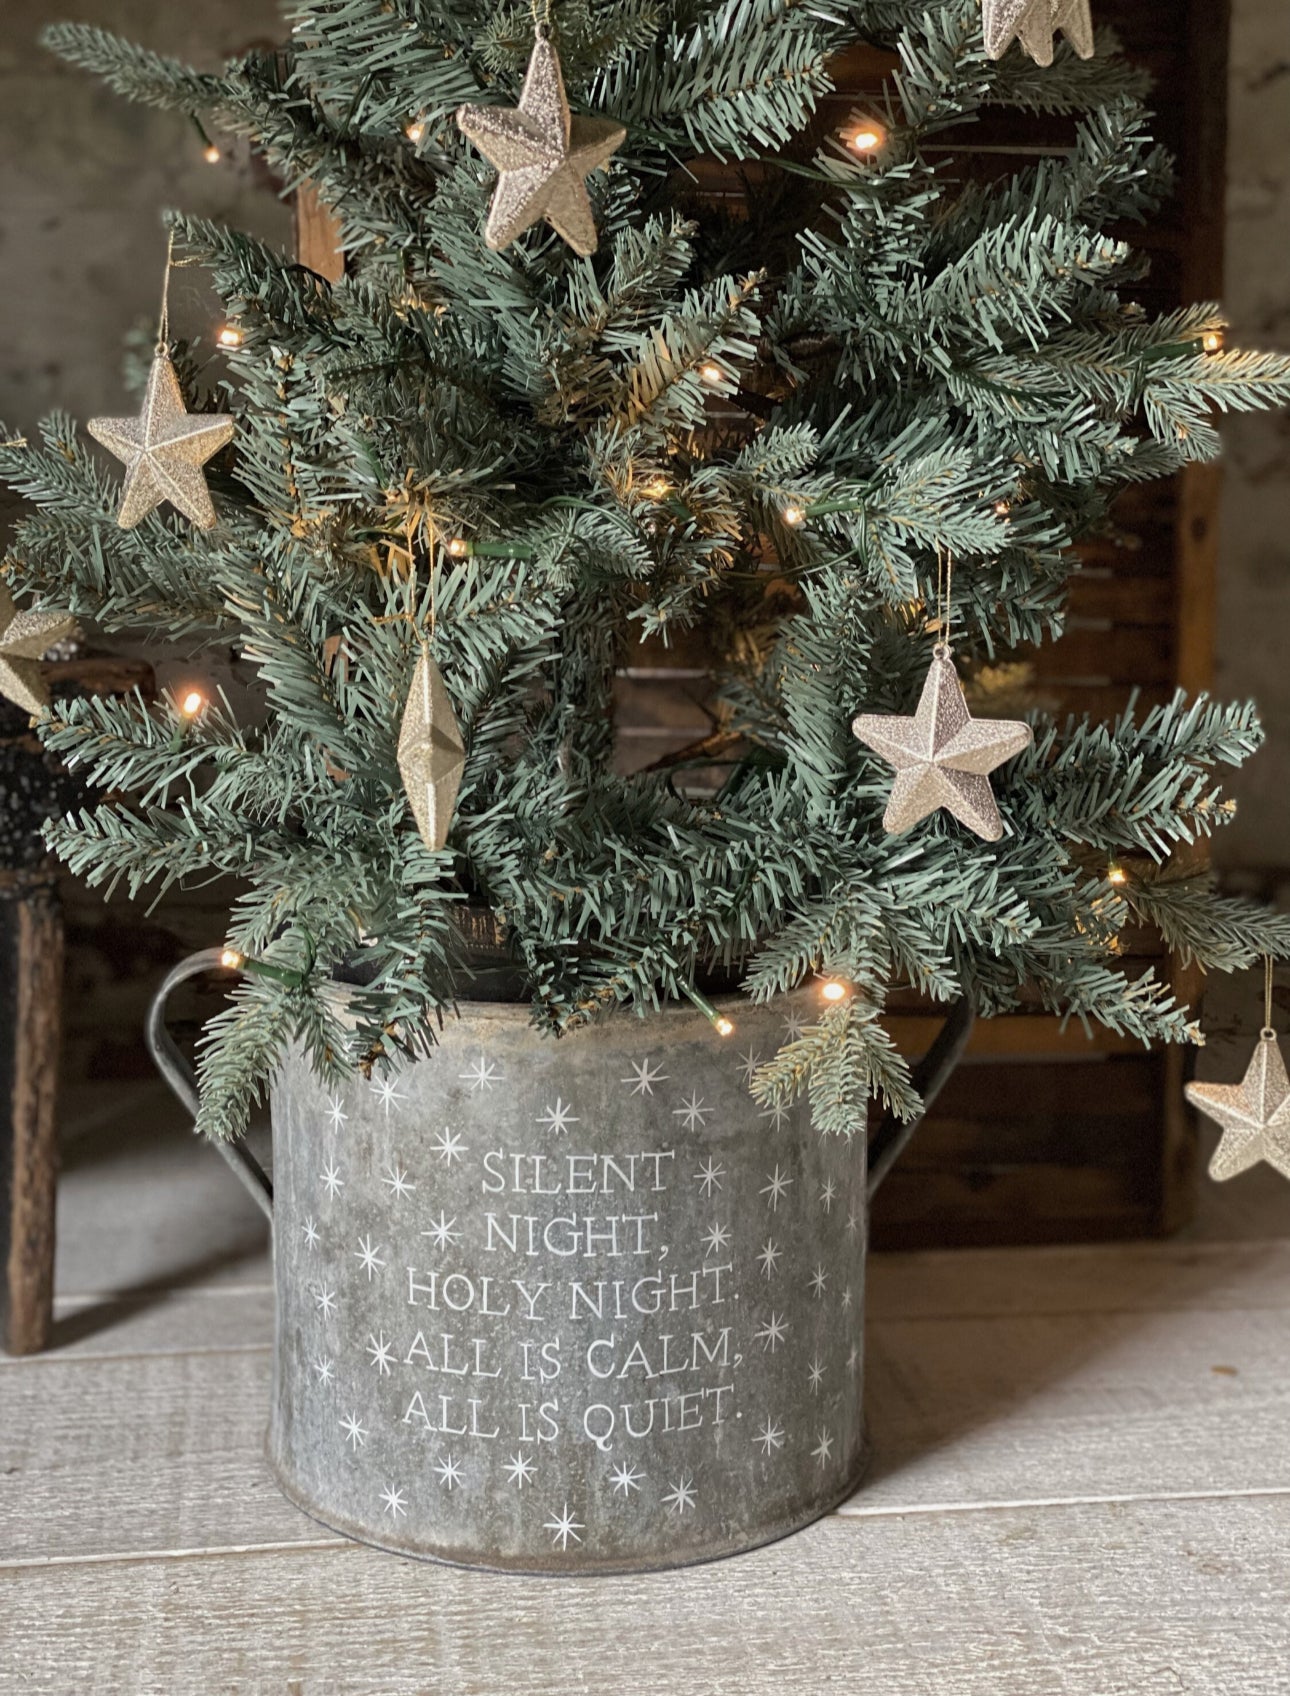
[{"x": 1081, "y": 1484}]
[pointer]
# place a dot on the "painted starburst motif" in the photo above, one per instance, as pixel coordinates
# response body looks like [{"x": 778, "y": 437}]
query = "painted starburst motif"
[
  {"x": 772, "y": 1333},
  {"x": 356, "y": 1433},
  {"x": 853, "y": 1358},
  {"x": 449, "y": 1146},
  {"x": 325, "y": 1369},
  {"x": 557, "y": 1119},
  {"x": 769, "y": 1257},
  {"x": 715, "y": 1240},
  {"x": 819, "y": 1278},
  {"x": 681, "y": 1496},
  {"x": 483, "y": 1075},
  {"x": 382, "y": 1353},
  {"x": 625, "y": 1479},
  {"x": 771, "y": 1436},
  {"x": 396, "y": 1181},
  {"x": 815, "y": 1377},
  {"x": 645, "y": 1076},
  {"x": 853, "y": 1222},
  {"x": 823, "y": 1450},
  {"x": 778, "y": 1115},
  {"x": 395, "y": 1501},
  {"x": 310, "y": 1232},
  {"x": 794, "y": 1025},
  {"x": 369, "y": 1256},
  {"x": 441, "y": 1232},
  {"x": 326, "y": 1300},
  {"x": 331, "y": 1179},
  {"x": 449, "y": 1472},
  {"x": 692, "y": 1113},
  {"x": 564, "y": 1528},
  {"x": 385, "y": 1092},
  {"x": 828, "y": 1193},
  {"x": 846, "y": 1296},
  {"x": 709, "y": 1177},
  {"x": 336, "y": 1113},
  {"x": 748, "y": 1064},
  {"x": 776, "y": 1188},
  {"x": 520, "y": 1469}
]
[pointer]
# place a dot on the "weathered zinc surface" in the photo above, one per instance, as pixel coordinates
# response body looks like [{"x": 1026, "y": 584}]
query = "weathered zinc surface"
[{"x": 567, "y": 1306}]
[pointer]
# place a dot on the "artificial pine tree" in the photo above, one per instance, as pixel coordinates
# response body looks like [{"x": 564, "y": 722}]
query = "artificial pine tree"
[{"x": 781, "y": 429}]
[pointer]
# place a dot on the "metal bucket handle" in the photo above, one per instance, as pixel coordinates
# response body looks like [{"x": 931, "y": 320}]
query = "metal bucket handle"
[
  {"x": 175, "y": 1069},
  {"x": 929, "y": 1076}
]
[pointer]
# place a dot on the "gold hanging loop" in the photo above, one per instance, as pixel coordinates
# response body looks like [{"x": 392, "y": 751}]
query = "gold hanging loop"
[{"x": 1267, "y": 1033}]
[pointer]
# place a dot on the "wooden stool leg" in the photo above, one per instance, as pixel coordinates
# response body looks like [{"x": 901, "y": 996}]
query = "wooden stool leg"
[{"x": 31, "y": 962}]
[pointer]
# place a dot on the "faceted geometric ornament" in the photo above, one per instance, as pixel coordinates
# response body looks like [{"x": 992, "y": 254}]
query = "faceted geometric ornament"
[
  {"x": 942, "y": 755},
  {"x": 542, "y": 154},
  {"x": 431, "y": 754},
  {"x": 1254, "y": 1114},
  {"x": 1032, "y": 22},
  {"x": 164, "y": 449},
  {"x": 24, "y": 637}
]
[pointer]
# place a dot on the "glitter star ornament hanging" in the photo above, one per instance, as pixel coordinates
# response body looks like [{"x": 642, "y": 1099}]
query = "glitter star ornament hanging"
[
  {"x": 24, "y": 637},
  {"x": 164, "y": 449},
  {"x": 1032, "y": 23},
  {"x": 942, "y": 755},
  {"x": 431, "y": 753},
  {"x": 543, "y": 155},
  {"x": 1254, "y": 1114}
]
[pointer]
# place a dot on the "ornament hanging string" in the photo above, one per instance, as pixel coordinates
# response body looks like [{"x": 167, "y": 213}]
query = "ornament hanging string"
[
  {"x": 163, "y": 326},
  {"x": 1267, "y": 1033},
  {"x": 541, "y": 10},
  {"x": 944, "y": 599}
]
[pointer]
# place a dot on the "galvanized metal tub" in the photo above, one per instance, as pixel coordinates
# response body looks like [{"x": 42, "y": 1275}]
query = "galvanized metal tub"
[{"x": 575, "y": 1306}]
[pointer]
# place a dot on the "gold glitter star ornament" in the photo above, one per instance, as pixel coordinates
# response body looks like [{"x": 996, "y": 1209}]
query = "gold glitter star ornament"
[
  {"x": 24, "y": 637},
  {"x": 1032, "y": 23},
  {"x": 164, "y": 449},
  {"x": 543, "y": 156},
  {"x": 942, "y": 755},
  {"x": 431, "y": 753},
  {"x": 1254, "y": 1114}
]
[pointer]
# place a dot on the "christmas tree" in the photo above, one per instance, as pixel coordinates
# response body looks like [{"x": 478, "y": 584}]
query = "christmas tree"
[{"x": 561, "y": 402}]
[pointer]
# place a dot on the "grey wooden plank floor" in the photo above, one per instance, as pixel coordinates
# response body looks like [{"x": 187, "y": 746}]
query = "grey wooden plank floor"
[{"x": 1081, "y": 1483}]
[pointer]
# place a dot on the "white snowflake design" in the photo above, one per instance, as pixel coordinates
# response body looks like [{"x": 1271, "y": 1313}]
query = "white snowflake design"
[
  {"x": 794, "y": 1025},
  {"x": 325, "y": 1369},
  {"x": 396, "y": 1181},
  {"x": 769, "y": 1257},
  {"x": 326, "y": 1300},
  {"x": 709, "y": 1177},
  {"x": 356, "y": 1432},
  {"x": 645, "y": 1079},
  {"x": 369, "y": 1256},
  {"x": 483, "y": 1075},
  {"x": 771, "y": 1436},
  {"x": 557, "y": 1119},
  {"x": 331, "y": 1179},
  {"x": 748, "y": 1064},
  {"x": 563, "y": 1527},
  {"x": 853, "y": 1222},
  {"x": 449, "y": 1472},
  {"x": 441, "y": 1232},
  {"x": 715, "y": 1240},
  {"x": 692, "y": 1113},
  {"x": 382, "y": 1353},
  {"x": 776, "y": 1188},
  {"x": 396, "y": 1502},
  {"x": 388, "y": 1096},
  {"x": 816, "y": 1376},
  {"x": 337, "y": 1114},
  {"x": 778, "y": 1116},
  {"x": 819, "y": 1278},
  {"x": 310, "y": 1233},
  {"x": 772, "y": 1333},
  {"x": 823, "y": 1450},
  {"x": 681, "y": 1496},
  {"x": 827, "y": 1194},
  {"x": 450, "y": 1146},
  {"x": 520, "y": 1470},
  {"x": 625, "y": 1479}
]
